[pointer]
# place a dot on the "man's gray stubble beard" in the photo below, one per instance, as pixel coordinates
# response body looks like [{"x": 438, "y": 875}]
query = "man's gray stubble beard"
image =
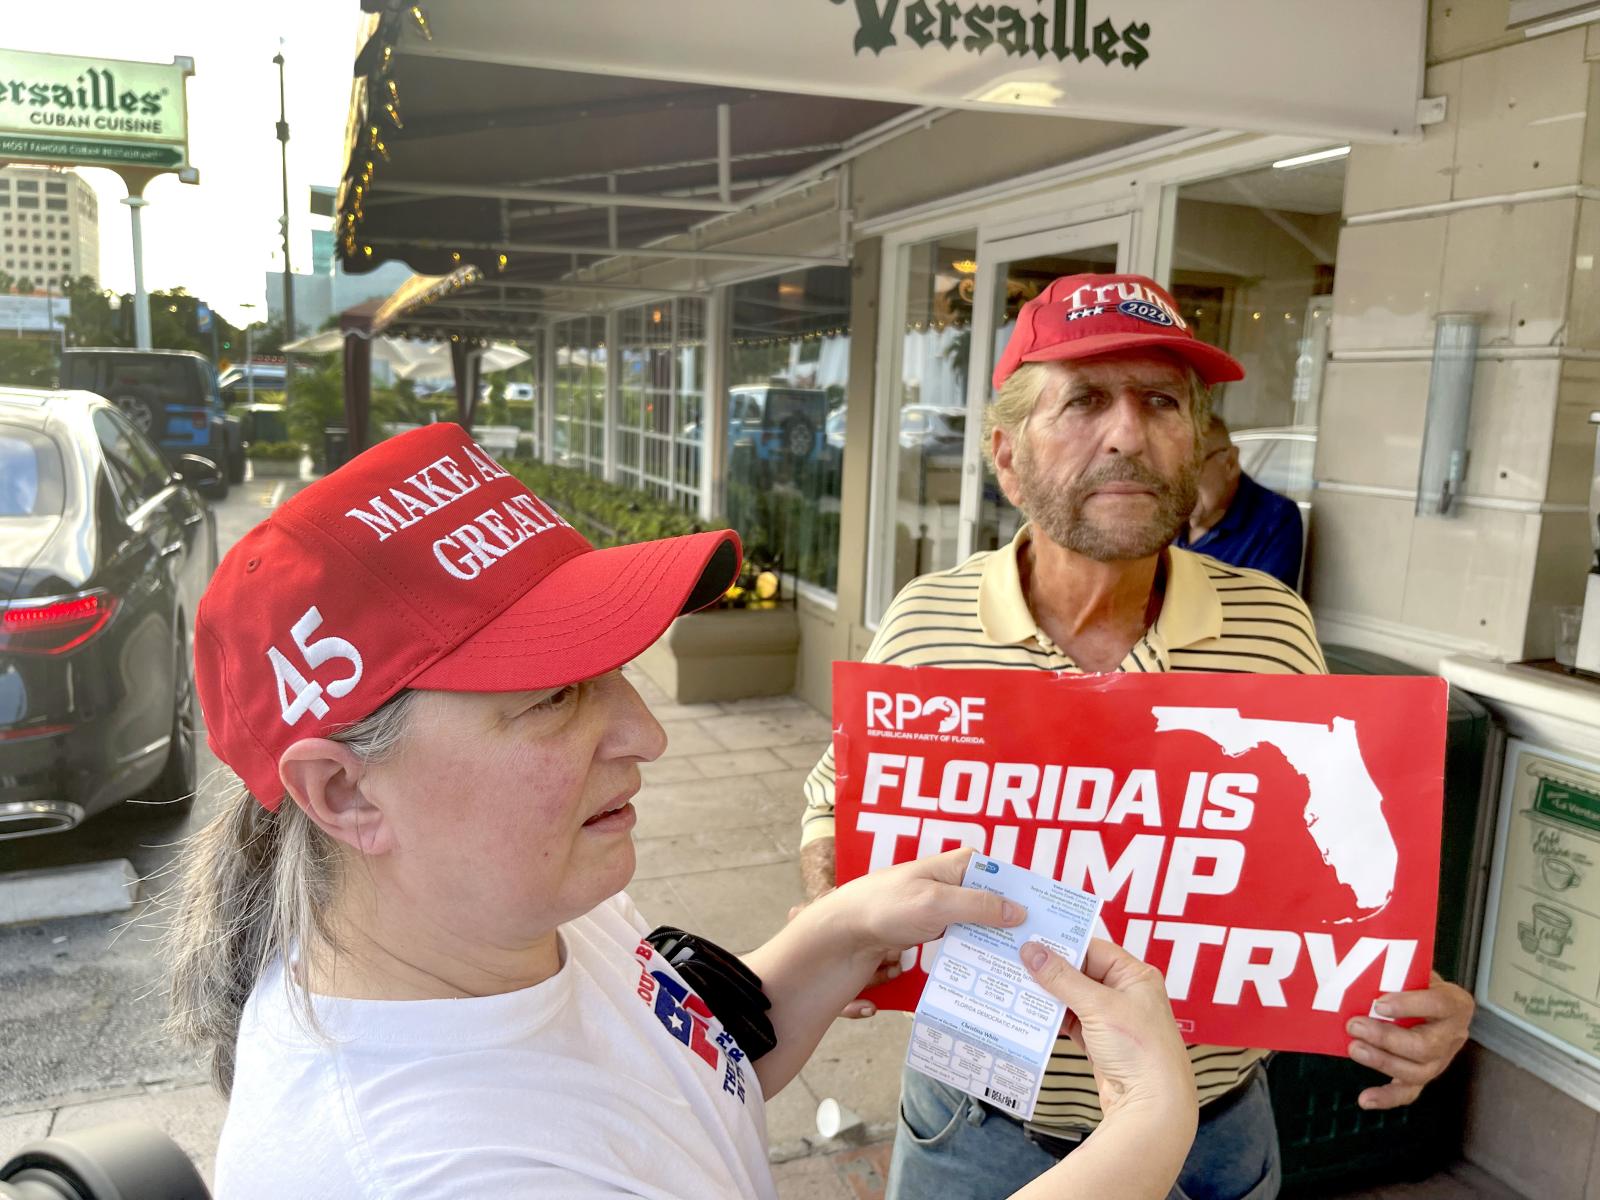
[{"x": 1058, "y": 512}]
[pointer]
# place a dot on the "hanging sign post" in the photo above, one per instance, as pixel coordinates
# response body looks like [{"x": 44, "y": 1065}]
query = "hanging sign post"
[{"x": 60, "y": 109}]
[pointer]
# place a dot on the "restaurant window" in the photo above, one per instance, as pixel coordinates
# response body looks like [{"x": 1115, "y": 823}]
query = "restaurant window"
[
  {"x": 927, "y": 409},
  {"x": 661, "y": 384},
  {"x": 788, "y": 373},
  {"x": 1252, "y": 271},
  {"x": 578, "y": 433}
]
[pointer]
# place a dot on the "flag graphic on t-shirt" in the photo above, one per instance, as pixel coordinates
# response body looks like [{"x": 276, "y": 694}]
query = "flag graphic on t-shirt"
[{"x": 686, "y": 1017}]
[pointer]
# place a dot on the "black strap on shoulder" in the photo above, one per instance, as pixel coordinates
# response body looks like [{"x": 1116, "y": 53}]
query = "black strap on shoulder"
[{"x": 731, "y": 990}]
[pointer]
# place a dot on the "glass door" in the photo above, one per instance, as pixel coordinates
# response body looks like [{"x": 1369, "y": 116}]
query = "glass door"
[
  {"x": 1012, "y": 271},
  {"x": 923, "y": 411}
]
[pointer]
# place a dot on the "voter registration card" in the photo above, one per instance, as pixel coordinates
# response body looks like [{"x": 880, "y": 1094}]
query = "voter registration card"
[{"x": 983, "y": 1025}]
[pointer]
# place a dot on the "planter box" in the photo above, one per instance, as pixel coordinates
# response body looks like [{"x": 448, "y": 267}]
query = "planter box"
[
  {"x": 274, "y": 468},
  {"x": 729, "y": 654}
]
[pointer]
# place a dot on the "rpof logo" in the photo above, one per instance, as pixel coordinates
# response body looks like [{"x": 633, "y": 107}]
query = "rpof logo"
[{"x": 904, "y": 712}]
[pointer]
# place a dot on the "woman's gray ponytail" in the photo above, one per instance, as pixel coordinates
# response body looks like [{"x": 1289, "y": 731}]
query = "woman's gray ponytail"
[{"x": 251, "y": 885}]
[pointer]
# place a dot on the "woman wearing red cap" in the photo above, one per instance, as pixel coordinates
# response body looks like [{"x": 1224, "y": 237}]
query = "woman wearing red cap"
[{"x": 405, "y": 943}]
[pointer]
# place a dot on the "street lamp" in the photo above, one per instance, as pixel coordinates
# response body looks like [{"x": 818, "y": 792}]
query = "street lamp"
[
  {"x": 288, "y": 280},
  {"x": 50, "y": 309}
]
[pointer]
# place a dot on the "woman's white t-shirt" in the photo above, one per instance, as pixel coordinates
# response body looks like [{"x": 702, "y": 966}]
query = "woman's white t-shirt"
[{"x": 610, "y": 1078}]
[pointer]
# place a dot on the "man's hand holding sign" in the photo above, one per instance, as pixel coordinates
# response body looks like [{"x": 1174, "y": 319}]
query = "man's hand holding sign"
[{"x": 1273, "y": 851}]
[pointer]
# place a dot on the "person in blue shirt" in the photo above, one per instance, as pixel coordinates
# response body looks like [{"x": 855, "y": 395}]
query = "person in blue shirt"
[{"x": 1236, "y": 520}]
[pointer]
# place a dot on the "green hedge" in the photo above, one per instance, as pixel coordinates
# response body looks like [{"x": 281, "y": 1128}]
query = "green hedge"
[
  {"x": 608, "y": 514},
  {"x": 788, "y": 514},
  {"x": 276, "y": 451}
]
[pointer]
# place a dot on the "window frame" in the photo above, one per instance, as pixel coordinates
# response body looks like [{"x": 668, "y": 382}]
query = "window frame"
[
  {"x": 128, "y": 489},
  {"x": 720, "y": 414},
  {"x": 636, "y": 471}
]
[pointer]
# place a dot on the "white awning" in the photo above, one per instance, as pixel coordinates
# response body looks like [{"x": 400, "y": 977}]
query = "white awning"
[{"x": 411, "y": 359}]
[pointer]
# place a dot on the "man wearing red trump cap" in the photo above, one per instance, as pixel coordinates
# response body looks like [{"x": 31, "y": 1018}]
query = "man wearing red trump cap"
[{"x": 1102, "y": 397}]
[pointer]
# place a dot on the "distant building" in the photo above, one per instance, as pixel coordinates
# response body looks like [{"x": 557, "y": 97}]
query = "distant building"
[
  {"x": 329, "y": 291},
  {"x": 49, "y": 226},
  {"x": 322, "y": 251}
]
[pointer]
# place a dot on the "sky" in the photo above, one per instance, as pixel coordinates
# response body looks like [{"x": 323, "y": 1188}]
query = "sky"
[{"x": 220, "y": 237}]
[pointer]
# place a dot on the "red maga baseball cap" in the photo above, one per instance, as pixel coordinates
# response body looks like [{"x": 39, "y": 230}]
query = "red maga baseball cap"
[
  {"x": 1082, "y": 316},
  {"x": 422, "y": 564}
]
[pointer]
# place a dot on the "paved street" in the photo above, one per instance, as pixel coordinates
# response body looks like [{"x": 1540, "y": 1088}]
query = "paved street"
[
  {"x": 718, "y": 824},
  {"x": 80, "y": 1016}
]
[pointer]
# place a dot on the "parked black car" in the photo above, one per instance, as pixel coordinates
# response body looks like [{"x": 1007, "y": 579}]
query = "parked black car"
[
  {"x": 104, "y": 552},
  {"x": 171, "y": 396}
]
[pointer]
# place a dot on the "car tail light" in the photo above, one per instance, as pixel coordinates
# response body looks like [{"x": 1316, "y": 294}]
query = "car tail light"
[
  {"x": 33, "y": 731},
  {"x": 55, "y": 625}
]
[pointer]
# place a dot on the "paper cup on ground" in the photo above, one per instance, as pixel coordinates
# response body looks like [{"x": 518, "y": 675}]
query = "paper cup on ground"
[{"x": 834, "y": 1119}]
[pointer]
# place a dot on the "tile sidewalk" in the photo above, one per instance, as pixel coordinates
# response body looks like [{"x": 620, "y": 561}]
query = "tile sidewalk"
[{"x": 718, "y": 825}]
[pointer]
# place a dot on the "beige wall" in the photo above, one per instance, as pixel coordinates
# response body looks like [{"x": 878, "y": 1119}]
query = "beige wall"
[
  {"x": 1524, "y": 1132},
  {"x": 1522, "y": 132},
  {"x": 1490, "y": 214}
]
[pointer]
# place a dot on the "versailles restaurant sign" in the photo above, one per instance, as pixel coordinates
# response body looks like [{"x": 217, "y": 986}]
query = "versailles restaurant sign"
[
  {"x": 55, "y": 108},
  {"x": 1349, "y": 70}
]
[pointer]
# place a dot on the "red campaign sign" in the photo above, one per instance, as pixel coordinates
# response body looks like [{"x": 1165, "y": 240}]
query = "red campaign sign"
[{"x": 1270, "y": 842}]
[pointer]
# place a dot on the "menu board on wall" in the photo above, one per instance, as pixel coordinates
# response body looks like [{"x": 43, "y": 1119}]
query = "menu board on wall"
[{"x": 1541, "y": 966}]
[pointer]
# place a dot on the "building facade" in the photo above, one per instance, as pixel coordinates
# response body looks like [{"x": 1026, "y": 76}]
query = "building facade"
[
  {"x": 49, "y": 226},
  {"x": 893, "y": 276},
  {"x": 1324, "y": 274}
]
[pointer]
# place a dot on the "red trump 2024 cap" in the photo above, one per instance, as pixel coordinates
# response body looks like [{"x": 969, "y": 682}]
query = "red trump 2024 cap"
[
  {"x": 422, "y": 564},
  {"x": 1082, "y": 316}
]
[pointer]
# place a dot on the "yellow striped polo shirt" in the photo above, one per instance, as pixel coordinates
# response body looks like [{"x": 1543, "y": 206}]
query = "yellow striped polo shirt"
[{"x": 1213, "y": 618}]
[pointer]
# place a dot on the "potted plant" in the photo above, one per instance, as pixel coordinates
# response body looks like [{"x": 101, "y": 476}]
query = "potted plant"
[
  {"x": 276, "y": 459},
  {"x": 745, "y": 646}
]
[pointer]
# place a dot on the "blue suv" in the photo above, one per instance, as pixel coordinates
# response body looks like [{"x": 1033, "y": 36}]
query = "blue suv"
[{"x": 171, "y": 396}]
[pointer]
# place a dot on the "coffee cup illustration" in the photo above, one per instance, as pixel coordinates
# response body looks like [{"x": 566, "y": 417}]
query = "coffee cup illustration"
[
  {"x": 1552, "y": 929},
  {"x": 1559, "y": 873},
  {"x": 1528, "y": 938}
]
